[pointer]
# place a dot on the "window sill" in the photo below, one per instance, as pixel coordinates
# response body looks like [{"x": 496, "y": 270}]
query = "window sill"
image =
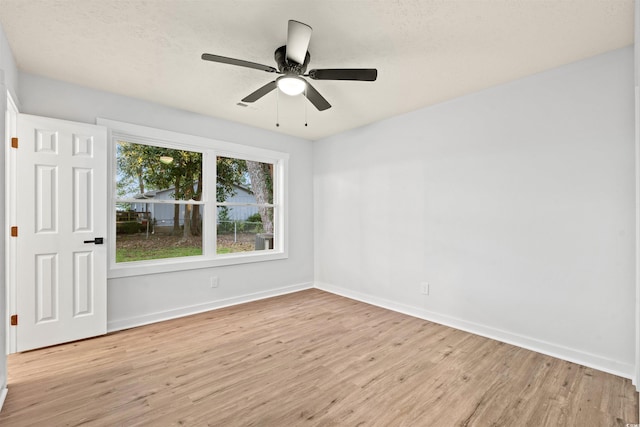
[{"x": 141, "y": 268}]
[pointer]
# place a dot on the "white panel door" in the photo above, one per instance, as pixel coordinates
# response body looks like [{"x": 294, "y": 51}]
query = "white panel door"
[{"x": 61, "y": 210}]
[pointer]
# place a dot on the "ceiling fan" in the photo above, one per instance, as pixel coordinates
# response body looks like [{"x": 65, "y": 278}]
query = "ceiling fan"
[{"x": 292, "y": 60}]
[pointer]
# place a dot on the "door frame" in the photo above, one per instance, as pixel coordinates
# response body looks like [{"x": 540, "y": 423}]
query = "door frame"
[
  {"x": 10, "y": 215},
  {"x": 636, "y": 114}
]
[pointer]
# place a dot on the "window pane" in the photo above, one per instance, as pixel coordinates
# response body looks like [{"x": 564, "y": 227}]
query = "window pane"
[
  {"x": 146, "y": 171},
  {"x": 242, "y": 229},
  {"x": 243, "y": 181},
  {"x": 147, "y": 231}
]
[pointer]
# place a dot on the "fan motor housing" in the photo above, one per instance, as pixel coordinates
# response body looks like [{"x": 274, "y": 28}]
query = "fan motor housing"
[{"x": 290, "y": 67}]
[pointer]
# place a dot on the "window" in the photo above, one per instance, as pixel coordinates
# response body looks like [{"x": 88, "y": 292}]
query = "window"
[
  {"x": 244, "y": 199},
  {"x": 182, "y": 202},
  {"x": 159, "y": 203}
]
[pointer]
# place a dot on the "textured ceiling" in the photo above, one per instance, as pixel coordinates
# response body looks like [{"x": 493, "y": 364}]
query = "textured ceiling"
[{"x": 426, "y": 51}]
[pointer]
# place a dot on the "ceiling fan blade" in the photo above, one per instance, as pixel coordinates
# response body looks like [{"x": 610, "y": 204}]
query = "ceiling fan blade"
[
  {"x": 360, "y": 74},
  {"x": 239, "y": 62},
  {"x": 316, "y": 99},
  {"x": 260, "y": 92},
  {"x": 298, "y": 36}
]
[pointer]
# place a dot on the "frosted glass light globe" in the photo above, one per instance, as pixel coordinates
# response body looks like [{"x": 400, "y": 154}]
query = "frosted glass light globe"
[{"x": 291, "y": 85}]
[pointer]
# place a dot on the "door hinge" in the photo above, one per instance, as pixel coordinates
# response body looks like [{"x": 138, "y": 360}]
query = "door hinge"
[
  {"x": 14, "y": 320},
  {"x": 14, "y": 142},
  {"x": 14, "y": 231}
]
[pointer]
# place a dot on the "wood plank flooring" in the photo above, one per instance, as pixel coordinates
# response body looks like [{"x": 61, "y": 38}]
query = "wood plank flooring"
[{"x": 306, "y": 359}]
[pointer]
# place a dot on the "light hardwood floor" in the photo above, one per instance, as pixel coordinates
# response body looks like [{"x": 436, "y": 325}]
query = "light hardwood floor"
[{"x": 310, "y": 359}]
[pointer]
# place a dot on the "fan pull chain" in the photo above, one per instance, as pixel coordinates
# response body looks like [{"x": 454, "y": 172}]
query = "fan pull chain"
[
  {"x": 305, "y": 105},
  {"x": 277, "y": 108}
]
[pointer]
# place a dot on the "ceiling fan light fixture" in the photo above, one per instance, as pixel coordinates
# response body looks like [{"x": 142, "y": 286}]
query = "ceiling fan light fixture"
[
  {"x": 166, "y": 159},
  {"x": 292, "y": 60},
  {"x": 291, "y": 85}
]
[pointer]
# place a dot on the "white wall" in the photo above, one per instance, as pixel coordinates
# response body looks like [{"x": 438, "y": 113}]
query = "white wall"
[
  {"x": 141, "y": 299},
  {"x": 516, "y": 204},
  {"x": 8, "y": 81}
]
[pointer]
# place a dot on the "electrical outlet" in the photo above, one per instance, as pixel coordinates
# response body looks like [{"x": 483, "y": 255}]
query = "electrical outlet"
[
  {"x": 424, "y": 288},
  {"x": 214, "y": 281}
]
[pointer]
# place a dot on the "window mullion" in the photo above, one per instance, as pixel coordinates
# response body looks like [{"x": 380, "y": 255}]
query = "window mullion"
[
  {"x": 209, "y": 197},
  {"x": 161, "y": 201},
  {"x": 259, "y": 205}
]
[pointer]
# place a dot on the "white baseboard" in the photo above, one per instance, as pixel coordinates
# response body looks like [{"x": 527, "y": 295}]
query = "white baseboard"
[
  {"x": 117, "y": 325},
  {"x": 3, "y": 396},
  {"x": 565, "y": 353}
]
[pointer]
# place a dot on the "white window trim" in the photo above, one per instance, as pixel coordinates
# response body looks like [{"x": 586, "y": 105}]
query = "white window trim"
[{"x": 141, "y": 134}]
